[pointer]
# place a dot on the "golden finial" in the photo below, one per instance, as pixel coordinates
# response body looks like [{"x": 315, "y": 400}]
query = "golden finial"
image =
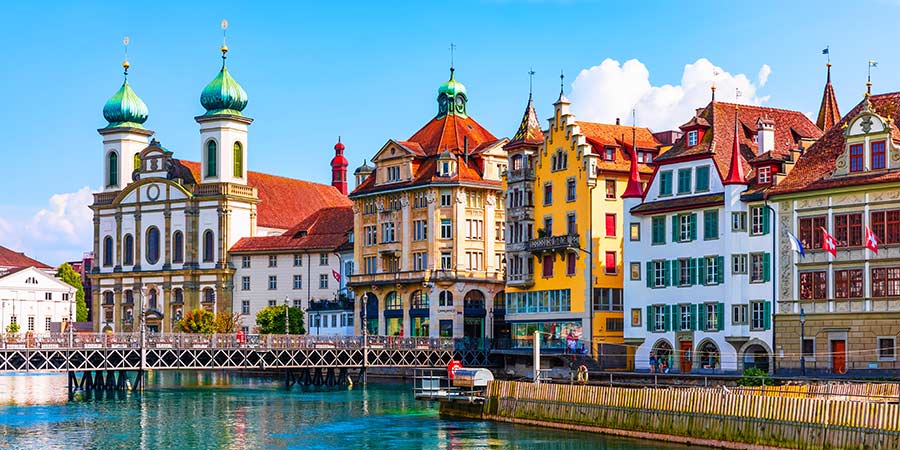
[
  {"x": 224, "y": 48},
  {"x": 125, "y": 65}
]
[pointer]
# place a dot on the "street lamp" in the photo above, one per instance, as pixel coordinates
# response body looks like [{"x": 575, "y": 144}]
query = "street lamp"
[
  {"x": 802, "y": 342},
  {"x": 287, "y": 322}
]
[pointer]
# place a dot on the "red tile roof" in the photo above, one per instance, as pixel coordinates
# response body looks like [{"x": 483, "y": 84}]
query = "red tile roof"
[
  {"x": 450, "y": 133},
  {"x": 718, "y": 141},
  {"x": 601, "y": 135},
  {"x": 16, "y": 260},
  {"x": 325, "y": 229},
  {"x": 282, "y": 201},
  {"x": 814, "y": 169},
  {"x": 828, "y": 111}
]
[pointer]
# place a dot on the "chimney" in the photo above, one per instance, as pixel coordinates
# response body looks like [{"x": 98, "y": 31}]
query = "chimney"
[
  {"x": 765, "y": 135},
  {"x": 617, "y": 121}
]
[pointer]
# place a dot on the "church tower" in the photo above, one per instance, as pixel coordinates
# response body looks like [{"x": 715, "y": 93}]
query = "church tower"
[
  {"x": 223, "y": 129},
  {"x": 124, "y": 137},
  {"x": 339, "y": 168}
]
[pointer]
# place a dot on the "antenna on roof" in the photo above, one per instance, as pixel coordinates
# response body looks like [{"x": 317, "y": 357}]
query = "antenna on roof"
[{"x": 530, "y": 80}]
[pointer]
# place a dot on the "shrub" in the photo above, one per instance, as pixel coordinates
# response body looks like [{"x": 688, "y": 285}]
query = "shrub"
[{"x": 755, "y": 377}]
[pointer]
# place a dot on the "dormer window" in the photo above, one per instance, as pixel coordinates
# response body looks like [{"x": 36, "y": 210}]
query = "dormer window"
[
  {"x": 756, "y": 138},
  {"x": 445, "y": 168},
  {"x": 609, "y": 154},
  {"x": 393, "y": 174},
  {"x": 692, "y": 138},
  {"x": 878, "y": 160},
  {"x": 764, "y": 176},
  {"x": 856, "y": 158}
]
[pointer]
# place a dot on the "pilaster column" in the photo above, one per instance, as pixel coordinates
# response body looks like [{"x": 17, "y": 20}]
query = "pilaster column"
[
  {"x": 167, "y": 250},
  {"x": 118, "y": 249},
  {"x": 405, "y": 263},
  {"x": 117, "y": 308},
  {"x": 138, "y": 239},
  {"x": 224, "y": 214},
  {"x": 98, "y": 258},
  {"x": 96, "y": 309},
  {"x": 190, "y": 238}
]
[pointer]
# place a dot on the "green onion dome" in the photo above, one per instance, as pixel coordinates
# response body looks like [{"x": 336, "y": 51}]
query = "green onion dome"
[
  {"x": 223, "y": 95},
  {"x": 451, "y": 87},
  {"x": 125, "y": 109}
]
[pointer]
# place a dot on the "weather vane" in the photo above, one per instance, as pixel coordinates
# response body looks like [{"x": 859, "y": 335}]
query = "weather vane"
[
  {"x": 562, "y": 77},
  {"x": 125, "y": 63},
  {"x": 224, "y": 39},
  {"x": 530, "y": 80}
]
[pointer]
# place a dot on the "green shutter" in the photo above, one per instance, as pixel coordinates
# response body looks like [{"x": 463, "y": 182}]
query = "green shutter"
[
  {"x": 667, "y": 314},
  {"x": 720, "y": 269},
  {"x": 765, "y": 219},
  {"x": 693, "y": 317},
  {"x": 766, "y": 267},
  {"x": 720, "y": 316},
  {"x": 767, "y": 315},
  {"x": 701, "y": 316},
  {"x": 649, "y": 318},
  {"x": 701, "y": 270},
  {"x": 649, "y": 274},
  {"x": 676, "y": 271},
  {"x": 692, "y": 271},
  {"x": 675, "y": 228},
  {"x": 666, "y": 273},
  {"x": 693, "y": 225}
]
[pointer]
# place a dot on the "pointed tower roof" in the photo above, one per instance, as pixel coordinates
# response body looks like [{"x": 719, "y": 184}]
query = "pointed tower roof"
[
  {"x": 736, "y": 170},
  {"x": 828, "y": 111},
  {"x": 633, "y": 189},
  {"x": 529, "y": 132},
  {"x": 223, "y": 95},
  {"x": 125, "y": 108}
]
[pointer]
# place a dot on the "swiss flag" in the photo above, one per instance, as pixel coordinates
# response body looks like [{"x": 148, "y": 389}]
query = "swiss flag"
[
  {"x": 336, "y": 275},
  {"x": 871, "y": 241},
  {"x": 828, "y": 242}
]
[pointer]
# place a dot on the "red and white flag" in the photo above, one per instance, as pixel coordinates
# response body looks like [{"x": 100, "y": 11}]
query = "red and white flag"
[
  {"x": 871, "y": 241},
  {"x": 336, "y": 275},
  {"x": 829, "y": 244}
]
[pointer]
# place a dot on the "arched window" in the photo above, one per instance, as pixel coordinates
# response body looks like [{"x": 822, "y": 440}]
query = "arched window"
[
  {"x": 177, "y": 296},
  {"x": 151, "y": 299},
  {"x": 238, "y": 160},
  {"x": 500, "y": 300},
  {"x": 474, "y": 299},
  {"x": 129, "y": 297},
  {"x": 152, "y": 245},
  {"x": 211, "y": 159},
  {"x": 107, "y": 251},
  {"x": 112, "y": 169},
  {"x": 108, "y": 298},
  {"x": 208, "y": 246},
  {"x": 419, "y": 300},
  {"x": 445, "y": 298},
  {"x": 209, "y": 295},
  {"x": 128, "y": 250},
  {"x": 393, "y": 301},
  {"x": 178, "y": 247}
]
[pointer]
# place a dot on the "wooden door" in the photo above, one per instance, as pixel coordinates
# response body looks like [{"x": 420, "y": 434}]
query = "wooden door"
[
  {"x": 686, "y": 356},
  {"x": 839, "y": 357}
]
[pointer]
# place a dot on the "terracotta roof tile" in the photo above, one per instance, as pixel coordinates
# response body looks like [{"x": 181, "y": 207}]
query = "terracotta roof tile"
[
  {"x": 815, "y": 167},
  {"x": 325, "y": 229},
  {"x": 529, "y": 131},
  {"x": 829, "y": 114},
  {"x": 718, "y": 140},
  {"x": 448, "y": 133},
  {"x": 17, "y": 260},
  {"x": 283, "y": 201},
  {"x": 679, "y": 203},
  {"x": 601, "y": 135}
]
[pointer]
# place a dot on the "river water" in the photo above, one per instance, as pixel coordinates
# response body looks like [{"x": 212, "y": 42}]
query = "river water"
[{"x": 191, "y": 410}]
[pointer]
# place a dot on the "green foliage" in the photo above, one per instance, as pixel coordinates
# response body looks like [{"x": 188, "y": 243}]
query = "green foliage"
[
  {"x": 271, "y": 320},
  {"x": 198, "y": 320},
  {"x": 68, "y": 275},
  {"x": 13, "y": 328},
  {"x": 755, "y": 377}
]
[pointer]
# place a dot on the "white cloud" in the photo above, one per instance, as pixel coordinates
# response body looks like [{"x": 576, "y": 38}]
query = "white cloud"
[
  {"x": 610, "y": 90},
  {"x": 59, "y": 232}
]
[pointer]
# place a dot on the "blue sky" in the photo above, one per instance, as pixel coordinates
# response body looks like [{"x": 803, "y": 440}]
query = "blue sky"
[{"x": 369, "y": 71}]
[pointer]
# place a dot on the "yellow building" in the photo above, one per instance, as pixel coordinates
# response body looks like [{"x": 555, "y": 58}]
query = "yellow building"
[
  {"x": 428, "y": 228},
  {"x": 565, "y": 271}
]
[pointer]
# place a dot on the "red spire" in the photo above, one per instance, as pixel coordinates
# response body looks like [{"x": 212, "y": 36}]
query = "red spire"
[
  {"x": 633, "y": 190},
  {"x": 828, "y": 110},
  {"x": 736, "y": 171},
  {"x": 339, "y": 168}
]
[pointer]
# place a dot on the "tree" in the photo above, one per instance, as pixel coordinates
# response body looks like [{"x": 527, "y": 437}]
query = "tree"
[
  {"x": 198, "y": 320},
  {"x": 271, "y": 320},
  {"x": 68, "y": 275},
  {"x": 227, "y": 322},
  {"x": 12, "y": 328}
]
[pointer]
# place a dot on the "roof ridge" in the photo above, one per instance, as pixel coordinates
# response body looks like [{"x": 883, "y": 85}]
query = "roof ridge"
[{"x": 760, "y": 107}]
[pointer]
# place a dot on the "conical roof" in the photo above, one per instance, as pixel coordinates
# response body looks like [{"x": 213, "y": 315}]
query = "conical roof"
[
  {"x": 529, "y": 131},
  {"x": 828, "y": 111}
]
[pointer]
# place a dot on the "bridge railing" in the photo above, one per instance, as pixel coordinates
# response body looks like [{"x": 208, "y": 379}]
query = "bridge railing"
[{"x": 234, "y": 341}]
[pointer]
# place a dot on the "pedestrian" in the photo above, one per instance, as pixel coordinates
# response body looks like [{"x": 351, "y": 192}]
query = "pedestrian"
[{"x": 652, "y": 362}]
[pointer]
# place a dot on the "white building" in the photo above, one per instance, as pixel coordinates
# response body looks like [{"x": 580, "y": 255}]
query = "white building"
[
  {"x": 30, "y": 295},
  {"x": 699, "y": 243},
  {"x": 308, "y": 263}
]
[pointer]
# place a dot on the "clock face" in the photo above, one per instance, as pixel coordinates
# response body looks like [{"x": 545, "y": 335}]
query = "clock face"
[{"x": 460, "y": 103}]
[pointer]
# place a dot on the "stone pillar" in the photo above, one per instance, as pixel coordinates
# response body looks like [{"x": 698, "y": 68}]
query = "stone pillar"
[
  {"x": 165, "y": 299},
  {"x": 96, "y": 309},
  {"x": 117, "y": 307},
  {"x": 118, "y": 243},
  {"x": 138, "y": 238},
  {"x": 190, "y": 238},
  {"x": 167, "y": 249},
  {"x": 98, "y": 258},
  {"x": 405, "y": 237}
]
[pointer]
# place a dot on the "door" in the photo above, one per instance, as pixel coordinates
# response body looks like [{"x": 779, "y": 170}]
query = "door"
[
  {"x": 686, "y": 356},
  {"x": 839, "y": 357}
]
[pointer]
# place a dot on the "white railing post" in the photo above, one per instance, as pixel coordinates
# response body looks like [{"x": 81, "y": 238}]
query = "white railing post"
[{"x": 537, "y": 357}]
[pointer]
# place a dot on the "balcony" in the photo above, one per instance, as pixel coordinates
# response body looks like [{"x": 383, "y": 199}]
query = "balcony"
[
  {"x": 553, "y": 243},
  {"x": 220, "y": 189},
  {"x": 523, "y": 280},
  {"x": 523, "y": 174},
  {"x": 376, "y": 279},
  {"x": 453, "y": 275},
  {"x": 515, "y": 214}
]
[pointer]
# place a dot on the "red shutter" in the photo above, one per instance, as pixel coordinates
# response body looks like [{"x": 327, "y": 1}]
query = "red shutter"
[
  {"x": 548, "y": 265},
  {"x": 610, "y": 262},
  {"x": 611, "y": 225}
]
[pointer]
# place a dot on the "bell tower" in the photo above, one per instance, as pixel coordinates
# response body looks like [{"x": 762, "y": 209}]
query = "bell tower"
[{"x": 339, "y": 168}]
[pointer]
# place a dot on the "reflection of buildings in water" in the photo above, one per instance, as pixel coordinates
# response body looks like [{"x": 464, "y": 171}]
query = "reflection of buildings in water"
[{"x": 32, "y": 389}]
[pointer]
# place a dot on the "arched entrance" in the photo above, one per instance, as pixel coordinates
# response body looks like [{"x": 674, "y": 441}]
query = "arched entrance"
[
  {"x": 661, "y": 356},
  {"x": 419, "y": 312},
  {"x": 708, "y": 357},
  {"x": 473, "y": 315},
  {"x": 755, "y": 356},
  {"x": 393, "y": 314},
  {"x": 369, "y": 312},
  {"x": 153, "y": 316}
]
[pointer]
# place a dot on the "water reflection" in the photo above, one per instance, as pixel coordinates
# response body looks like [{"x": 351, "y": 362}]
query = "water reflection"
[{"x": 211, "y": 410}]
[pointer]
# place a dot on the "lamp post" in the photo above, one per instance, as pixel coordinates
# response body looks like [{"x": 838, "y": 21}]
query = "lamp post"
[
  {"x": 802, "y": 342},
  {"x": 287, "y": 321}
]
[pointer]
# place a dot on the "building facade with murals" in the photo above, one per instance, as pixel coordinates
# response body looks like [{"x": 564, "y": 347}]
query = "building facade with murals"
[
  {"x": 699, "y": 251},
  {"x": 840, "y": 312},
  {"x": 163, "y": 227},
  {"x": 428, "y": 228},
  {"x": 565, "y": 243}
]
